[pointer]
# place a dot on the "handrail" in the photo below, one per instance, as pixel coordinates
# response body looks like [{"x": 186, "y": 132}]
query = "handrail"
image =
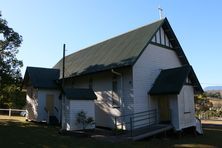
[
  {"x": 136, "y": 120},
  {"x": 137, "y": 113},
  {"x": 46, "y": 110},
  {"x": 56, "y": 109}
]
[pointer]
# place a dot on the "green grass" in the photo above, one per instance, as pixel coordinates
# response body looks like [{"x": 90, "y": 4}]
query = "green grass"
[{"x": 15, "y": 132}]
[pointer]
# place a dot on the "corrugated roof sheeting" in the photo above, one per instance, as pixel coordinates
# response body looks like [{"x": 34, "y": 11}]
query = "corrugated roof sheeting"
[{"x": 116, "y": 52}]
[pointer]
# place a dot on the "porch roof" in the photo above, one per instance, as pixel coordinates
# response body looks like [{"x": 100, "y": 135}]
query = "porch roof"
[
  {"x": 79, "y": 94},
  {"x": 171, "y": 81}
]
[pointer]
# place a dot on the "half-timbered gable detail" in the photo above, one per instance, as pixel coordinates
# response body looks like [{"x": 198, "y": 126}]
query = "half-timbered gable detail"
[{"x": 161, "y": 38}]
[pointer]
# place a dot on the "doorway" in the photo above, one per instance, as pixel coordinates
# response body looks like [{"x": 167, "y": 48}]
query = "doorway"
[
  {"x": 50, "y": 104},
  {"x": 164, "y": 109}
]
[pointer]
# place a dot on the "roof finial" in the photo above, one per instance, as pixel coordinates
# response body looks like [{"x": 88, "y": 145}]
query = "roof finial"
[{"x": 160, "y": 12}]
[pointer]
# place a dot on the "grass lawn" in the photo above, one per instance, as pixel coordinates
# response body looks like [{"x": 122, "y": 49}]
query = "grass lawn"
[{"x": 16, "y": 132}]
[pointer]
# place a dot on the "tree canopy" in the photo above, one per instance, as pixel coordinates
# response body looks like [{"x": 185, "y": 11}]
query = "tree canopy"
[{"x": 10, "y": 74}]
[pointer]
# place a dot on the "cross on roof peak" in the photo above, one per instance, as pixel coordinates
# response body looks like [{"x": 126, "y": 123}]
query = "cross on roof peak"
[{"x": 160, "y": 12}]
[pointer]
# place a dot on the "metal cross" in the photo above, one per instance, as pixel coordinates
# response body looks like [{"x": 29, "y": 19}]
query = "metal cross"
[{"x": 160, "y": 12}]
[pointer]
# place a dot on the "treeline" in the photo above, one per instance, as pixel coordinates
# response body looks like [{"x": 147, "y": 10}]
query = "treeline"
[
  {"x": 11, "y": 95},
  {"x": 213, "y": 94}
]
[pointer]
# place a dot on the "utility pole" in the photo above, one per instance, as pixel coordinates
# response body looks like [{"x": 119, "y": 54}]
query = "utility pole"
[
  {"x": 63, "y": 64},
  {"x": 62, "y": 91}
]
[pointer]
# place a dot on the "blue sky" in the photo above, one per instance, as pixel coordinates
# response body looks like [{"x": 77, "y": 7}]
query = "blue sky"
[{"x": 46, "y": 25}]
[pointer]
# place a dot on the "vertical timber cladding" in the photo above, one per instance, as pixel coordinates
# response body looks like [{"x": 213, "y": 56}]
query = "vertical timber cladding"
[
  {"x": 186, "y": 103},
  {"x": 161, "y": 38}
]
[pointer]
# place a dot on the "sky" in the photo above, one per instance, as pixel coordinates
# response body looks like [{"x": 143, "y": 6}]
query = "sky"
[{"x": 47, "y": 24}]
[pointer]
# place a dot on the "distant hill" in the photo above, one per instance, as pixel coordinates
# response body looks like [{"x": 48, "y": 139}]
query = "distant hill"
[{"x": 213, "y": 88}]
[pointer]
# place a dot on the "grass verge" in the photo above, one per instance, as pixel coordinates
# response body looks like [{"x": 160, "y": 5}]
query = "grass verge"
[{"x": 16, "y": 132}]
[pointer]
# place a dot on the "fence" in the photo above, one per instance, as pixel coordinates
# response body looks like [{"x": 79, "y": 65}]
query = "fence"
[
  {"x": 210, "y": 115},
  {"x": 10, "y": 111}
]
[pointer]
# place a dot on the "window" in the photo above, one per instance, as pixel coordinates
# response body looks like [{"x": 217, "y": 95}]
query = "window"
[{"x": 91, "y": 83}]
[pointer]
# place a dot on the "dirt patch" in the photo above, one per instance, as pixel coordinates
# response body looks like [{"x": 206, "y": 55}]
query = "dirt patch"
[{"x": 97, "y": 134}]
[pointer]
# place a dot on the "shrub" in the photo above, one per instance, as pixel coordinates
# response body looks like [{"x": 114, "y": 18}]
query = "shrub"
[{"x": 83, "y": 120}]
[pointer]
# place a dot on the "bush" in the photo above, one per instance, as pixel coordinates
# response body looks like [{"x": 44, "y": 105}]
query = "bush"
[{"x": 83, "y": 120}]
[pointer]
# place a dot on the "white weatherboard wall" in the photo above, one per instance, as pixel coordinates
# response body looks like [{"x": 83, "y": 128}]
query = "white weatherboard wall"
[
  {"x": 186, "y": 107},
  {"x": 73, "y": 107},
  {"x": 146, "y": 70},
  {"x": 105, "y": 112},
  {"x": 174, "y": 110},
  {"x": 32, "y": 103},
  {"x": 36, "y": 103},
  {"x": 102, "y": 86},
  {"x": 42, "y": 94}
]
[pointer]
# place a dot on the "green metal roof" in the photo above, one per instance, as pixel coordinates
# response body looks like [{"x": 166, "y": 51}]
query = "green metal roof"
[
  {"x": 119, "y": 51},
  {"x": 79, "y": 94},
  {"x": 41, "y": 77},
  {"x": 171, "y": 81}
]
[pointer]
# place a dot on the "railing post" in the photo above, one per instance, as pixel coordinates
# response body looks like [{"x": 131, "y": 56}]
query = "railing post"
[
  {"x": 148, "y": 119},
  {"x": 131, "y": 127},
  {"x": 115, "y": 123},
  {"x": 10, "y": 112},
  {"x": 155, "y": 114},
  {"x": 26, "y": 115},
  {"x": 170, "y": 112}
]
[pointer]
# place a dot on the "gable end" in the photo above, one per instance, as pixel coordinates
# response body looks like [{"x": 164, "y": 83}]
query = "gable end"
[{"x": 173, "y": 42}]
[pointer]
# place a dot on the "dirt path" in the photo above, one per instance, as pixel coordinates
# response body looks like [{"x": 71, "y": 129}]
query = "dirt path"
[
  {"x": 216, "y": 122},
  {"x": 15, "y": 118}
]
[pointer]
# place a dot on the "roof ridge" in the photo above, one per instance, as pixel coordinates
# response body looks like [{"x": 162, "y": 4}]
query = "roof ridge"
[{"x": 42, "y": 68}]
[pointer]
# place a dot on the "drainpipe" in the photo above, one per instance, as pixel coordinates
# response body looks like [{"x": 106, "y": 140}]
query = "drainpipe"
[{"x": 121, "y": 77}]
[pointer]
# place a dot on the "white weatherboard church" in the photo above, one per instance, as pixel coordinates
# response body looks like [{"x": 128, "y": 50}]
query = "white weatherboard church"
[{"x": 140, "y": 71}]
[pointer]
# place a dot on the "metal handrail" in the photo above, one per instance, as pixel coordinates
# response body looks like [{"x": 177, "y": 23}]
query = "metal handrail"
[
  {"x": 136, "y": 113},
  {"x": 145, "y": 116},
  {"x": 57, "y": 110}
]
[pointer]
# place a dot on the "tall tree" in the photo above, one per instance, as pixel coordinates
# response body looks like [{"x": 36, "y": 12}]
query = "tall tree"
[{"x": 10, "y": 74}]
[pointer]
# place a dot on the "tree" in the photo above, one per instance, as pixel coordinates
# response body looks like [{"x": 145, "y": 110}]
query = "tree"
[
  {"x": 202, "y": 103},
  {"x": 10, "y": 74}
]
